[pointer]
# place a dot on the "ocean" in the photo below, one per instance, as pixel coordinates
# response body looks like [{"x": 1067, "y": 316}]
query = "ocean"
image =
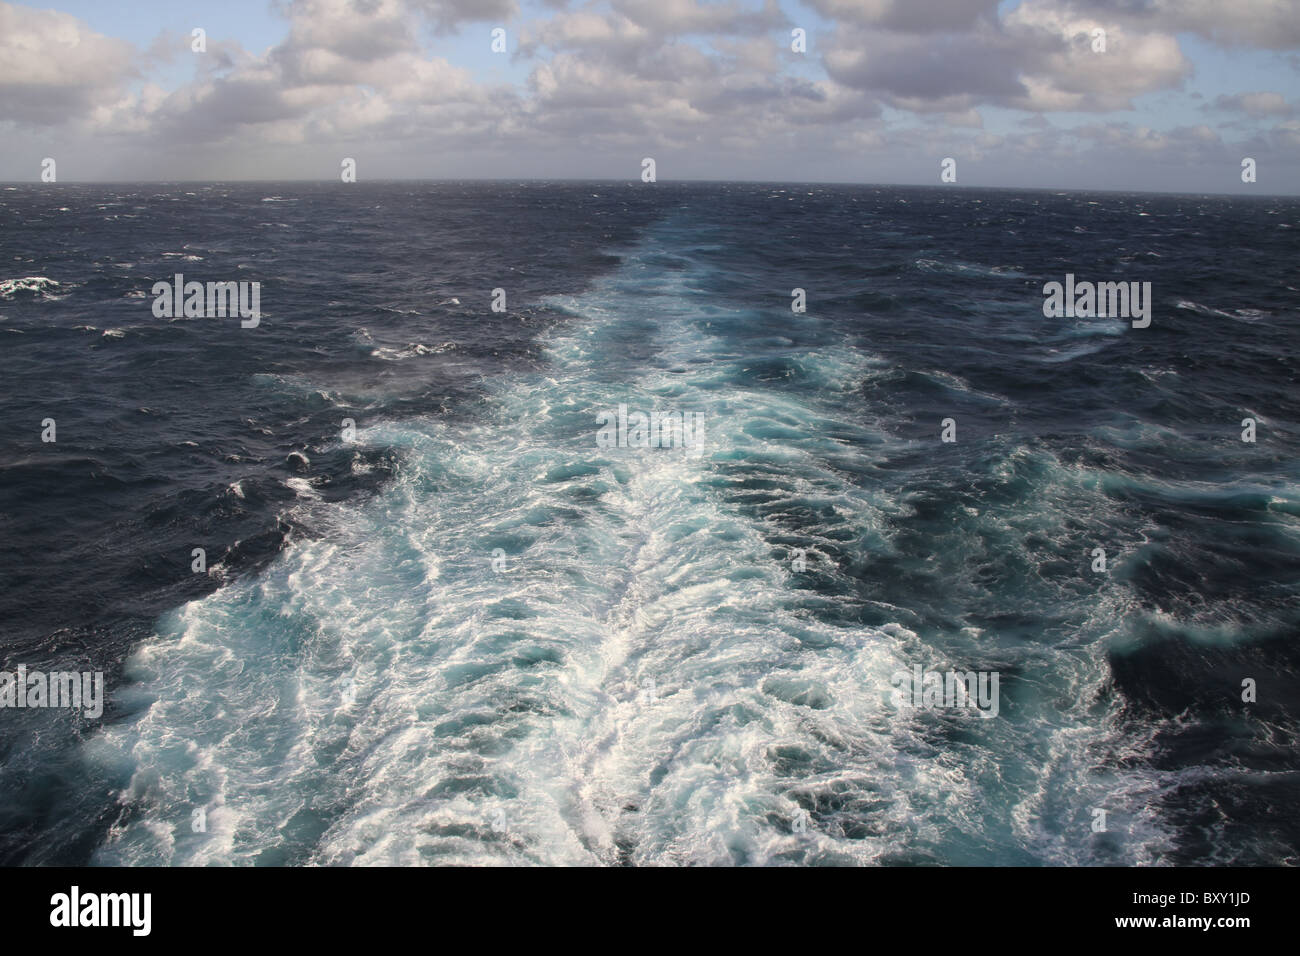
[{"x": 442, "y": 619}]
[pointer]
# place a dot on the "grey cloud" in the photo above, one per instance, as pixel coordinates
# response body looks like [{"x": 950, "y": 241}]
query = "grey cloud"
[
  {"x": 1266, "y": 24},
  {"x": 909, "y": 16},
  {"x": 449, "y": 15},
  {"x": 1256, "y": 104},
  {"x": 679, "y": 17},
  {"x": 1039, "y": 57},
  {"x": 710, "y": 87},
  {"x": 975, "y": 67},
  {"x": 54, "y": 68},
  {"x": 728, "y": 98}
]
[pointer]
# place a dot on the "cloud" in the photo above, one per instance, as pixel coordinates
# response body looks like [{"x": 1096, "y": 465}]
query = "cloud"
[
  {"x": 665, "y": 18},
  {"x": 908, "y": 16},
  {"x": 709, "y": 86},
  {"x": 54, "y": 68},
  {"x": 1255, "y": 104},
  {"x": 449, "y": 15},
  {"x": 346, "y": 67},
  {"x": 1039, "y": 57},
  {"x": 941, "y": 72},
  {"x": 676, "y": 72},
  {"x": 1265, "y": 24}
]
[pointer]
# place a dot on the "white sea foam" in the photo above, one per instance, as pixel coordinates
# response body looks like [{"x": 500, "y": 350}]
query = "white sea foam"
[
  {"x": 39, "y": 285},
  {"x": 644, "y": 677}
]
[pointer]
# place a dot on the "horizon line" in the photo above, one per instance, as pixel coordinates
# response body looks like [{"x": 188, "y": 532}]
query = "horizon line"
[{"x": 637, "y": 182}]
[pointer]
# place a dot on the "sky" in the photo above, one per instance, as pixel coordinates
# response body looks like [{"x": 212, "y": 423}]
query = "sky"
[{"x": 1171, "y": 95}]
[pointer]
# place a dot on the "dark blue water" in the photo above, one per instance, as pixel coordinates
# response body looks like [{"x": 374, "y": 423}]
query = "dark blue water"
[{"x": 645, "y": 676}]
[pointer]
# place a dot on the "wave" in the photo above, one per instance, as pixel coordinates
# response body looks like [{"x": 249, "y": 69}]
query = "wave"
[
  {"x": 1237, "y": 315},
  {"x": 41, "y": 286},
  {"x": 957, "y": 267}
]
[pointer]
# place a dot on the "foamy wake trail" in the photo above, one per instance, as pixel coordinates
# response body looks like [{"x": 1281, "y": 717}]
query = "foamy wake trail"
[{"x": 647, "y": 679}]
